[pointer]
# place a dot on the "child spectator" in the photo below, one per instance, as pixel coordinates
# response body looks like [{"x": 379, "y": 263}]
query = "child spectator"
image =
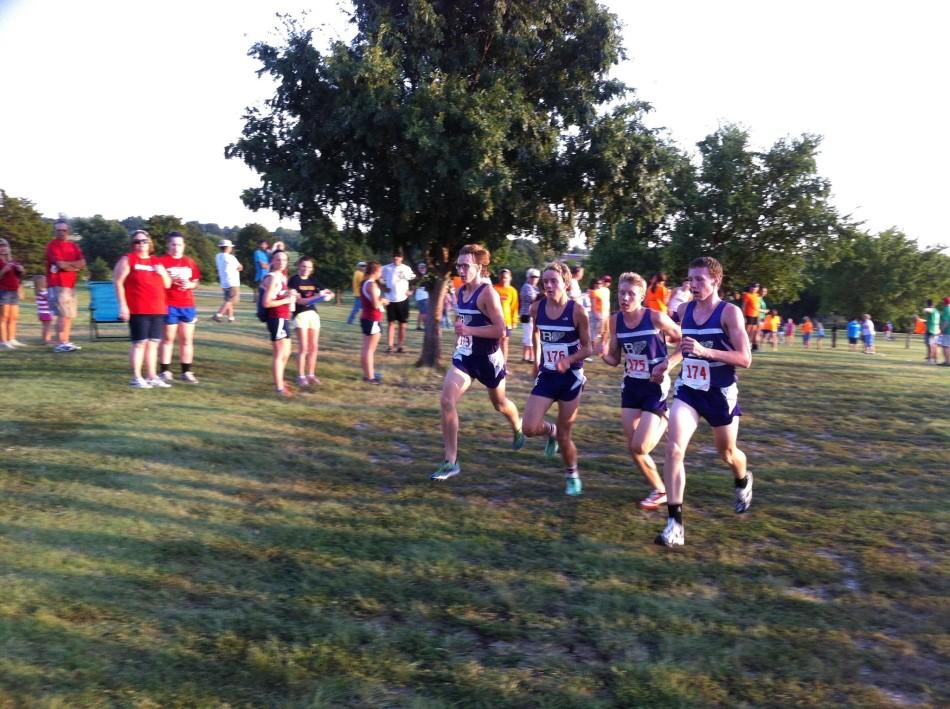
[
  {"x": 789, "y": 330},
  {"x": 819, "y": 334},
  {"x": 43, "y": 311},
  {"x": 11, "y": 272},
  {"x": 867, "y": 331},
  {"x": 807, "y": 329},
  {"x": 854, "y": 334}
]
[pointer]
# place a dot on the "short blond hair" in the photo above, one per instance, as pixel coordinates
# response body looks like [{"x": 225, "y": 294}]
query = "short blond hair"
[
  {"x": 635, "y": 279},
  {"x": 561, "y": 268}
]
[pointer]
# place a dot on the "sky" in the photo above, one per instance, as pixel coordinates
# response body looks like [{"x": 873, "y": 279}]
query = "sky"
[{"x": 123, "y": 108}]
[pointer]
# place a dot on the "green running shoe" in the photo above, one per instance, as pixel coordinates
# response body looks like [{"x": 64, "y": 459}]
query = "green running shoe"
[
  {"x": 517, "y": 442},
  {"x": 551, "y": 447},
  {"x": 574, "y": 487},
  {"x": 446, "y": 471}
]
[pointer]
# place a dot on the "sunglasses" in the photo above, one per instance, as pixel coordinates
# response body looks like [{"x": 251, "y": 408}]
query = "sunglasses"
[{"x": 139, "y": 241}]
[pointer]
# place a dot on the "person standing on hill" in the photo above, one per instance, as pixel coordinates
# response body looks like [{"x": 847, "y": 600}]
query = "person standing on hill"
[
  {"x": 932, "y": 330},
  {"x": 11, "y": 274},
  {"x": 945, "y": 331},
  {"x": 529, "y": 293},
  {"x": 750, "y": 309},
  {"x": 396, "y": 278},
  {"x": 509, "y": 306},
  {"x": 261, "y": 262},
  {"x": 358, "y": 275},
  {"x": 371, "y": 314},
  {"x": 180, "y": 314},
  {"x": 715, "y": 342},
  {"x": 229, "y": 276},
  {"x": 306, "y": 319},
  {"x": 140, "y": 282},
  {"x": 479, "y": 327},
  {"x": 854, "y": 334},
  {"x": 807, "y": 328},
  {"x": 279, "y": 302},
  {"x": 64, "y": 261}
]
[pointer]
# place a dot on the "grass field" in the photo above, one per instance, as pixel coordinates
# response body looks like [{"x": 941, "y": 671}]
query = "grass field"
[{"x": 212, "y": 546}]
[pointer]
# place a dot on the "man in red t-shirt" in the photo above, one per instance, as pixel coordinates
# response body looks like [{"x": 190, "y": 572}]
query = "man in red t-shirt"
[{"x": 64, "y": 260}]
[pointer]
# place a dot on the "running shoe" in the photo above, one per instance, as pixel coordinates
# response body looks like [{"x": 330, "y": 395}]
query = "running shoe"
[
  {"x": 66, "y": 347},
  {"x": 302, "y": 381},
  {"x": 6, "y": 346},
  {"x": 653, "y": 500},
  {"x": 17, "y": 343},
  {"x": 140, "y": 383},
  {"x": 551, "y": 447},
  {"x": 167, "y": 376},
  {"x": 573, "y": 487},
  {"x": 744, "y": 496},
  {"x": 189, "y": 377},
  {"x": 313, "y": 379},
  {"x": 445, "y": 471},
  {"x": 378, "y": 379},
  {"x": 673, "y": 535},
  {"x": 216, "y": 317},
  {"x": 284, "y": 393},
  {"x": 159, "y": 383},
  {"x": 231, "y": 318},
  {"x": 518, "y": 440},
  {"x": 400, "y": 350}
]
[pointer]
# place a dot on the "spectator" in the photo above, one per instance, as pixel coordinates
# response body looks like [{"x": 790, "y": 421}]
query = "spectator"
[
  {"x": 595, "y": 320},
  {"x": 867, "y": 332},
  {"x": 807, "y": 329},
  {"x": 229, "y": 270},
  {"x": 509, "y": 307},
  {"x": 396, "y": 277},
  {"x": 529, "y": 294},
  {"x": 819, "y": 334},
  {"x": 422, "y": 298},
  {"x": 370, "y": 317},
  {"x": 854, "y": 334},
  {"x": 574, "y": 288},
  {"x": 180, "y": 316},
  {"x": 357, "y": 282},
  {"x": 261, "y": 262},
  {"x": 680, "y": 295},
  {"x": 11, "y": 273},
  {"x": 306, "y": 320},
  {"x": 279, "y": 301},
  {"x": 43, "y": 313},
  {"x": 140, "y": 282},
  {"x": 64, "y": 260},
  {"x": 658, "y": 295},
  {"x": 750, "y": 309},
  {"x": 789, "y": 331},
  {"x": 932, "y": 331},
  {"x": 945, "y": 331}
]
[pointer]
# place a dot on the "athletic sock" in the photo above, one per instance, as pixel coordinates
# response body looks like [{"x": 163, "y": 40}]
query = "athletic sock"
[
  {"x": 742, "y": 482},
  {"x": 162, "y": 368},
  {"x": 551, "y": 428},
  {"x": 676, "y": 512},
  {"x": 185, "y": 367},
  {"x": 571, "y": 472}
]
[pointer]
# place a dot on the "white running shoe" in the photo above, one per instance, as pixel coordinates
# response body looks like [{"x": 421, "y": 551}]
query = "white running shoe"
[
  {"x": 140, "y": 383},
  {"x": 159, "y": 383},
  {"x": 744, "y": 496},
  {"x": 189, "y": 377},
  {"x": 67, "y": 347},
  {"x": 673, "y": 535},
  {"x": 653, "y": 500},
  {"x": 6, "y": 346},
  {"x": 167, "y": 376},
  {"x": 17, "y": 343}
]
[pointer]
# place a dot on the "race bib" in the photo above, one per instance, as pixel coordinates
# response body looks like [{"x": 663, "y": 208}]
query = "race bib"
[
  {"x": 637, "y": 366},
  {"x": 551, "y": 354},
  {"x": 695, "y": 373},
  {"x": 464, "y": 345}
]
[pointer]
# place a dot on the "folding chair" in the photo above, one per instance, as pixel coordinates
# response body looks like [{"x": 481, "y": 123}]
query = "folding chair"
[{"x": 103, "y": 308}]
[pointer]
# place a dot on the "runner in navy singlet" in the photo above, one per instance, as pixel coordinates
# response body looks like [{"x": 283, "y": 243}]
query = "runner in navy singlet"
[
  {"x": 479, "y": 326},
  {"x": 562, "y": 341},
  {"x": 714, "y": 343},
  {"x": 637, "y": 339}
]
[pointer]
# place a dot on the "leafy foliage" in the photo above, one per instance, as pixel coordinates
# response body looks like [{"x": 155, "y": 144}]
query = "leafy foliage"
[
  {"x": 26, "y": 230},
  {"x": 246, "y": 242},
  {"x": 104, "y": 239},
  {"x": 336, "y": 252}
]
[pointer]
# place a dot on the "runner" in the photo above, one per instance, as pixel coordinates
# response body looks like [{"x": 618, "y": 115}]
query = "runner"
[
  {"x": 307, "y": 320},
  {"x": 371, "y": 314},
  {"x": 479, "y": 326},
  {"x": 714, "y": 343},
  {"x": 279, "y": 301},
  {"x": 181, "y": 316},
  {"x": 562, "y": 342},
  {"x": 637, "y": 337}
]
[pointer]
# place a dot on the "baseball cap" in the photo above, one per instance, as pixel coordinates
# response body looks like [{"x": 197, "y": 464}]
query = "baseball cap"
[
  {"x": 361, "y": 264},
  {"x": 946, "y": 301},
  {"x": 533, "y": 273},
  {"x": 608, "y": 279},
  {"x": 224, "y": 242}
]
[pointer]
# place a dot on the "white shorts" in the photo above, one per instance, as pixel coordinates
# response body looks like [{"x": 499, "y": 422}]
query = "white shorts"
[
  {"x": 528, "y": 329},
  {"x": 307, "y": 320}
]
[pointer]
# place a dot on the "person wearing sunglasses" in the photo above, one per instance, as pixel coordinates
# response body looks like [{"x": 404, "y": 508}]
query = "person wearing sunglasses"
[
  {"x": 140, "y": 282},
  {"x": 479, "y": 326},
  {"x": 64, "y": 260}
]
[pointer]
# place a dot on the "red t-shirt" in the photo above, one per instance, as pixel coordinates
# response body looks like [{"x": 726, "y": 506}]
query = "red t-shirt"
[
  {"x": 144, "y": 288},
  {"x": 184, "y": 269},
  {"x": 59, "y": 250},
  {"x": 11, "y": 279},
  {"x": 280, "y": 311},
  {"x": 368, "y": 311}
]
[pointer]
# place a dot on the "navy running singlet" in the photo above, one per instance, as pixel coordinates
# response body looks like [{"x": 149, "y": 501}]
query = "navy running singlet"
[
  {"x": 642, "y": 347},
  {"x": 559, "y": 336},
  {"x": 473, "y": 317},
  {"x": 700, "y": 373}
]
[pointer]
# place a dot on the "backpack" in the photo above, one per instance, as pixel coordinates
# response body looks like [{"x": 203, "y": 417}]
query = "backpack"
[{"x": 259, "y": 301}]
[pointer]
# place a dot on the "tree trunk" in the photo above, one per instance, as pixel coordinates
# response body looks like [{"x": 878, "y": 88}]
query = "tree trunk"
[{"x": 431, "y": 343}]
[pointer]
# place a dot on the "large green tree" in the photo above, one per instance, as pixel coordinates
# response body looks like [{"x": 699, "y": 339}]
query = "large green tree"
[
  {"x": 26, "y": 230},
  {"x": 886, "y": 275},
  {"x": 336, "y": 252},
  {"x": 762, "y": 214},
  {"x": 444, "y": 122},
  {"x": 102, "y": 238}
]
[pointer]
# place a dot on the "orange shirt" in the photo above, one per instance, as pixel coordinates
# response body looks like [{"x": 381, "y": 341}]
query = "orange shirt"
[
  {"x": 750, "y": 305},
  {"x": 657, "y": 297},
  {"x": 920, "y": 325},
  {"x": 509, "y": 304},
  {"x": 807, "y": 328}
]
